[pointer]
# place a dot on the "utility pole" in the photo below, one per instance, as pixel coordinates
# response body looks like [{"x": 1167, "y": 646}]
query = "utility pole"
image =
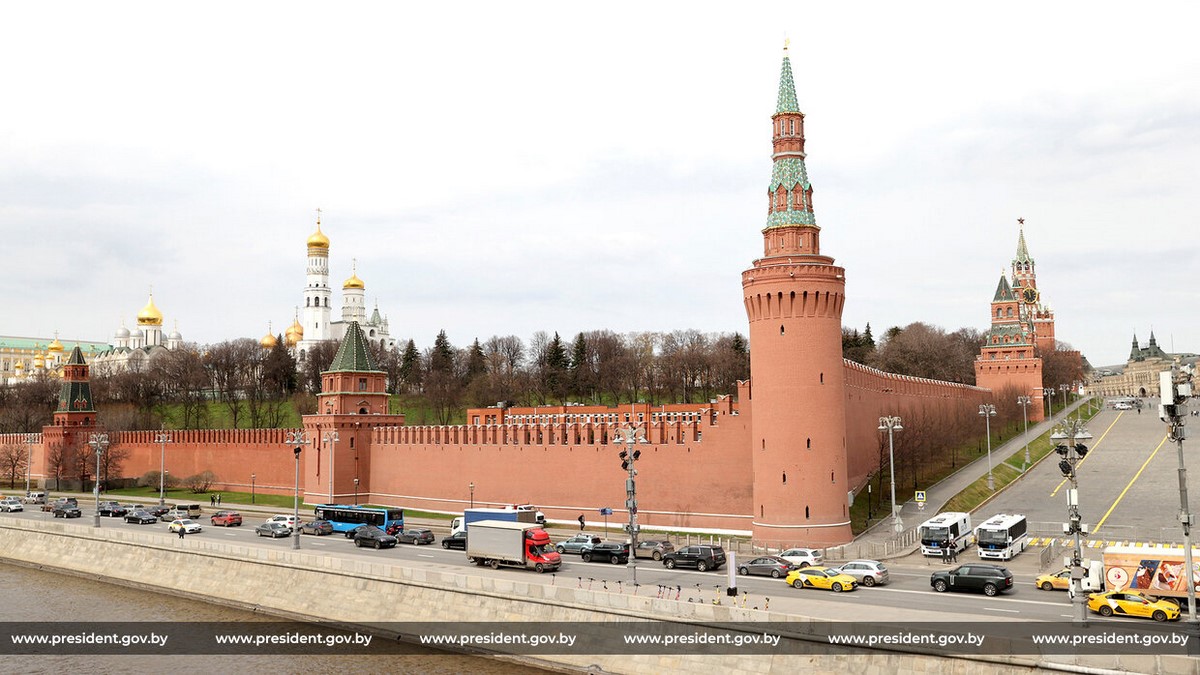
[
  {"x": 630, "y": 436},
  {"x": 1176, "y": 388}
]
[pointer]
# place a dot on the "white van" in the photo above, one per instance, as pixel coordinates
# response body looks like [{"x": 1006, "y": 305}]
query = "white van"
[{"x": 35, "y": 498}]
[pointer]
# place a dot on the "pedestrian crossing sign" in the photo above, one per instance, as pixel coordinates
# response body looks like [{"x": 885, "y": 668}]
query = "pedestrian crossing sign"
[{"x": 920, "y": 498}]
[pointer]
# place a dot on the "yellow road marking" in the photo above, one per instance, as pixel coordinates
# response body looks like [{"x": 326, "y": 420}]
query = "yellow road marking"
[
  {"x": 1131, "y": 482},
  {"x": 1093, "y": 448}
]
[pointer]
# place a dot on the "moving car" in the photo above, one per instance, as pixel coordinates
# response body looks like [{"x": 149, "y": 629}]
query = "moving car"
[
  {"x": 701, "y": 556},
  {"x": 187, "y": 525},
  {"x": 1133, "y": 603},
  {"x": 653, "y": 549},
  {"x": 821, "y": 577},
  {"x": 140, "y": 517},
  {"x": 991, "y": 579},
  {"x": 803, "y": 557},
  {"x": 575, "y": 543},
  {"x": 415, "y": 537},
  {"x": 317, "y": 527},
  {"x": 62, "y": 500},
  {"x": 35, "y": 498},
  {"x": 66, "y": 510},
  {"x": 157, "y": 510},
  {"x": 766, "y": 566},
  {"x": 374, "y": 537},
  {"x": 1058, "y": 581},
  {"x": 173, "y": 515},
  {"x": 617, "y": 554},
  {"x": 10, "y": 504},
  {"x": 226, "y": 518},
  {"x": 273, "y": 529},
  {"x": 456, "y": 540},
  {"x": 866, "y": 572},
  {"x": 112, "y": 509},
  {"x": 291, "y": 521}
]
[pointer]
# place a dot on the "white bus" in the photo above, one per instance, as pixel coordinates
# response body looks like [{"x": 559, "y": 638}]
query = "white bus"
[
  {"x": 1002, "y": 536},
  {"x": 951, "y": 526}
]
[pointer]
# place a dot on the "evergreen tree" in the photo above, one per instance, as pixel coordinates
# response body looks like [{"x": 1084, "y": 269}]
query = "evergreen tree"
[
  {"x": 410, "y": 366},
  {"x": 557, "y": 364}
]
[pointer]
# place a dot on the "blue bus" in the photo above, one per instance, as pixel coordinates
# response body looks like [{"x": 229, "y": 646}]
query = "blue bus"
[{"x": 345, "y": 518}]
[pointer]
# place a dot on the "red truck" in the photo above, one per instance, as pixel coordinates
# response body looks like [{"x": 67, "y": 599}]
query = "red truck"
[{"x": 497, "y": 542}]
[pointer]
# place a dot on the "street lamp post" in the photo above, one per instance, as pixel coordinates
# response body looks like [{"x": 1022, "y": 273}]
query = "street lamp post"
[
  {"x": 629, "y": 436},
  {"x": 987, "y": 411},
  {"x": 99, "y": 443},
  {"x": 296, "y": 440},
  {"x": 162, "y": 438},
  {"x": 252, "y": 477},
  {"x": 1073, "y": 432},
  {"x": 356, "y": 492},
  {"x": 1064, "y": 388},
  {"x": 1175, "y": 389},
  {"x": 471, "y": 487},
  {"x": 331, "y": 437},
  {"x": 1024, "y": 402},
  {"x": 890, "y": 425},
  {"x": 30, "y": 439}
]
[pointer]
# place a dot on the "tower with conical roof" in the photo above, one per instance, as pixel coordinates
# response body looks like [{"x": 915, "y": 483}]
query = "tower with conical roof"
[
  {"x": 793, "y": 296},
  {"x": 352, "y": 403},
  {"x": 318, "y": 297}
]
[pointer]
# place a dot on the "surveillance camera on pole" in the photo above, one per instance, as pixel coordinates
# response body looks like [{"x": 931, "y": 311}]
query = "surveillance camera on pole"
[{"x": 1175, "y": 387}]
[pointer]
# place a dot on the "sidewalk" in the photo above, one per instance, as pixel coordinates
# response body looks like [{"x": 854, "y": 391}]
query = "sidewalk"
[{"x": 941, "y": 492}]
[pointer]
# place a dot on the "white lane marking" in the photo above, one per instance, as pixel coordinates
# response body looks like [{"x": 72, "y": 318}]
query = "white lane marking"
[
  {"x": 996, "y": 609},
  {"x": 424, "y": 555}
]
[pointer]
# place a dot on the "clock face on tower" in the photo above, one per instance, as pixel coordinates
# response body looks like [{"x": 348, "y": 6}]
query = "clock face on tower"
[{"x": 1029, "y": 295}]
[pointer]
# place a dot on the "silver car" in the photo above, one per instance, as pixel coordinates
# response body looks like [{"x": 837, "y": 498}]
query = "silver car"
[
  {"x": 653, "y": 549},
  {"x": 867, "y": 572}
]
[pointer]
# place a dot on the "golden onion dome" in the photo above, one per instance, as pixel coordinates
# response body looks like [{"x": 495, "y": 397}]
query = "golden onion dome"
[
  {"x": 38, "y": 361},
  {"x": 353, "y": 282},
  {"x": 268, "y": 341},
  {"x": 55, "y": 346},
  {"x": 317, "y": 239},
  {"x": 150, "y": 316},
  {"x": 19, "y": 367},
  {"x": 294, "y": 334}
]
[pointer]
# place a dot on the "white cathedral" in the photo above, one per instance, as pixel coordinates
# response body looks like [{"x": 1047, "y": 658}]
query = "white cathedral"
[
  {"x": 132, "y": 350},
  {"x": 315, "y": 323}
]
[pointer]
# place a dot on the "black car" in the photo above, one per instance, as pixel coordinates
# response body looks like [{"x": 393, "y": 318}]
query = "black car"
[
  {"x": 415, "y": 537},
  {"x": 140, "y": 517},
  {"x": 112, "y": 509},
  {"x": 456, "y": 540},
  {"x": 350, "y": 534},
  {"x": 702, "y": 557},
  {"x": 991, "y": 579},
  {"x": 67, "y": 510},
  {"x": 617, "y": 554},
  {"x": 374, "y": 537},
  {"x": 157, "y": 511},
  {"x": 317, "y": 527}
]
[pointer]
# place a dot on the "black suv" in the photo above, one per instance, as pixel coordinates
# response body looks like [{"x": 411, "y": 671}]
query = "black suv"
[
  {"x": 369, "y": 535},
  {"x": 456, "y": 540},
  {"x": 65, "y": 509},
  {"x": 990, "y": 579},
  {"x": 613, "y": 552},
  {"x": 702, "y": 557},
  {"x": 112, "y": 509}
]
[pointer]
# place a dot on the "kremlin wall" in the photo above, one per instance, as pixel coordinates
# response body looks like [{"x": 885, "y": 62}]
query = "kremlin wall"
[{"x": 779, "y": 461}]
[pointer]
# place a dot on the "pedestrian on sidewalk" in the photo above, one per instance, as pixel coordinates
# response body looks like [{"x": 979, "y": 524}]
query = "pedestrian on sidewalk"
[
  {"x": 581, "y": 521},
  {"x": 182, "y": 531},
  {"x": 954, "y": 553},
  {"x": 218, "y": 499},
  {"x": 945, "y": 552},
  {"x": 212, "y": 500}
]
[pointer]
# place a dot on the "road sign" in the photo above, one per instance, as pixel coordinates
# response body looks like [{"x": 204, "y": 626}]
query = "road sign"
[
  {"x": 920, "y": 497},
  {"x": 606, "y": 511}
]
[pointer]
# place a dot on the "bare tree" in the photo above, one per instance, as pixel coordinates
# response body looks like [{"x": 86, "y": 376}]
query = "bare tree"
[{"x": 12, "y": 461}]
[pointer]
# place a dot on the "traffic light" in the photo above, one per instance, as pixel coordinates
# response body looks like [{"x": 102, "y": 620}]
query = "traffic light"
[
  {"x": 1081, "y": 449},
  {"x": 1065, "y": 467},
  {"x": 1061, "y": 449}
]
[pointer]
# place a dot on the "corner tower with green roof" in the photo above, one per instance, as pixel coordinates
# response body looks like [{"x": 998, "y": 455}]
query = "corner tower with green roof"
[{"x": 793, "y": 297}]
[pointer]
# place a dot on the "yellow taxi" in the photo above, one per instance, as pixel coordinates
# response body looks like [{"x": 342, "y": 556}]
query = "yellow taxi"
[
  {"x": 1059, "y": 581},
  {"x": 821, "y": 577},
  {"x": 1133, "y": 603}
]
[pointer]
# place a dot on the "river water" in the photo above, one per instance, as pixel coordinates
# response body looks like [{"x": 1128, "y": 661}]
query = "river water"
[{"x": 34, "y": 595}]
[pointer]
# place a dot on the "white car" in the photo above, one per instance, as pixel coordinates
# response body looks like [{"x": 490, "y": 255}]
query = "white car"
[
  {"x": 291, "y": 521},
  {"x": 188, "y": 526},
  {"x": 803, "y": 557},
  {"x": 10, "y": 504}
]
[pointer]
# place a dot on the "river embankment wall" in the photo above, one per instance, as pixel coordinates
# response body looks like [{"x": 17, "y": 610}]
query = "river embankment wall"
[{"x": 362, "y": 593}]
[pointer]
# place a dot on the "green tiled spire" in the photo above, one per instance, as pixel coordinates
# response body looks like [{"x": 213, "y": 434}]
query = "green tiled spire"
[
  {"x": 1003, "y": 291},
  {"x": 353, "y": 355},
  {"x": 75, "y": 395},
  {"x": 787, "y": 88},
  {"x": 1022, "y": 250}
]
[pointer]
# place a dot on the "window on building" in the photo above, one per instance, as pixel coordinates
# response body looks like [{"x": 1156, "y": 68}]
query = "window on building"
[{"x": 362, "y": 384}]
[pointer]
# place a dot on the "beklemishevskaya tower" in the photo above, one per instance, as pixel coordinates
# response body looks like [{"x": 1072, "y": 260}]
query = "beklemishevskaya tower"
[{"x": 794, "y": 297}]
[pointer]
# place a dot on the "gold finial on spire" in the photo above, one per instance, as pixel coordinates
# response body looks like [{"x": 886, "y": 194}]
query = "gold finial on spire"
[
  {"x": 318, "y": 217},
  {"x": 786, "y": 41}
]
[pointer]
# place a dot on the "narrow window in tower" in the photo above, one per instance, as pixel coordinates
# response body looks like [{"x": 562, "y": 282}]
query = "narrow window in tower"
[
  {"x": 791, "y": 127},
  {"x": 831, "y": 480},
  {"x": 806, "y": 513},
  {"x": 781, "y": 329},
  {"x": 822, "y": 378},
  {"x": 808, "y": 443},
  {"x": 760, "y": 511},
  {"x": 307, "y": 302},
  {"x": 785, "y": 478},
  {"x": 764, "y": 444}
]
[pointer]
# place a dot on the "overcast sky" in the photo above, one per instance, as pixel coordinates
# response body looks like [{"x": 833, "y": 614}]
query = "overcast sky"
[{"x": 504, "y": 168}]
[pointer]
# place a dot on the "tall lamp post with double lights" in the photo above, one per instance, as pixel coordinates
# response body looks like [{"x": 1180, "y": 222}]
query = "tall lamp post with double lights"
[
  {"x": 252, "y": 477},
  {"x": 1064, "y": 388},
  {"x": 1024, "y": 402},
  {"x": 471, "y": 487},
  {"x": 296, "y": 440},
  {"x": 99, "y": 443},
  {"x": 162, "y": 438},
  {"x": 890, "y": 425},
  {"x": 630, "y": 436},
  {"x": 331, "y": 437},
  {"x": 1175, "y": 388},
  {"x": 1068, "y": 438},
  {"x": 987, "y": 411}
]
